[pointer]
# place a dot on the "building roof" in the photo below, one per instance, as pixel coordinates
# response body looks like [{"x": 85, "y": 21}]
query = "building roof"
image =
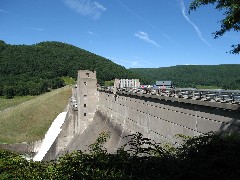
[{"x": 165, "y": 83}]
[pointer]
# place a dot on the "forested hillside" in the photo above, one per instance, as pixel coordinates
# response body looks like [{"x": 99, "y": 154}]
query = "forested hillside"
[
  {"x": 34, "y": 69},
  {"x": 225, "y": 76}
]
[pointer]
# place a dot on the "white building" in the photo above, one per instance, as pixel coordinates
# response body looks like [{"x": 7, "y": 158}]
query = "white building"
[{"x": 123, "y": 83}]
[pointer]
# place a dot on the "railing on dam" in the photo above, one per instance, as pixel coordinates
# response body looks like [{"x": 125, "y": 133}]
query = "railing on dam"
[{"x": 218, "y": 98}]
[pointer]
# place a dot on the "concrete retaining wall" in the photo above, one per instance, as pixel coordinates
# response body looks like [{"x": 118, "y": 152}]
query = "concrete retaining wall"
[
  {"x": 158, "y": 119},
  {"x": 100, "y": 123},
  {"x": 161, "y": 120}
]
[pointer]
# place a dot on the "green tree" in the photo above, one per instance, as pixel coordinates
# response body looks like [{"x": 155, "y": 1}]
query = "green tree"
[
  {"x": 8, "y": 92},
  {"x": 2, "y": 45},
  {"x": 57, "y": 83},
  {"x": 1, "y": 89},
  {"x": 35, "y": 69},
  {"x": 231, "y": 20}
]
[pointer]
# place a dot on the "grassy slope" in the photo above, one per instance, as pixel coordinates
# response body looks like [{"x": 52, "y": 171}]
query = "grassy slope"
[
  {"x": 30, "y": 120},
  {"x": 7, "y": 103}
]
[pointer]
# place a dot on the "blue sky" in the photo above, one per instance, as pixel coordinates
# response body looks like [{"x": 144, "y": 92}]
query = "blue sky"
[{"x": 132, "y": 33}]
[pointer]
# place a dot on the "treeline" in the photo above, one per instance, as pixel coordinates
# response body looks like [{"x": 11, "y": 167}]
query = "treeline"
[
  {"x": 208, "y": 156},
  {"x": 226, "y": 76},
  {"x": 34, "y": 69}
]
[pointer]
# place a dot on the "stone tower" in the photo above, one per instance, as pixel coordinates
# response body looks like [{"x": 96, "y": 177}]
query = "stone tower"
[{"x": 87, "y": 98}]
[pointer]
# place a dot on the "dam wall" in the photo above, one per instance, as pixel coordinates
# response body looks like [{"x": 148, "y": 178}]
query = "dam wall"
[
  {"x": 162, "y": 119},
  {"x": 120, "y": 114},
  {"x": 157, "y": 119}
]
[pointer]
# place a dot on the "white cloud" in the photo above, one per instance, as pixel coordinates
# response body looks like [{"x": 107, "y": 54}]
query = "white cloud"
[
  {"x": 91, "y": 33},
  {"x": 199, "y": 33},
  {"x": 144, "y": 36},
  {"x": 144, "y": 20},
  {"x": 86, "y": 7},
  {"x": 127, "y": 63},
  {"x": 3, "y": 11},
  {"x": 136, "y": 62},
  {"x": 133, "y": 63},
  {"x": 37, "y": 29}
]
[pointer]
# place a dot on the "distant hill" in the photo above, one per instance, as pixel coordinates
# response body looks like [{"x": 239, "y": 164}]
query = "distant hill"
[
  {"x": 33, "y": 69},
  {"x": 226, "y": 76}
]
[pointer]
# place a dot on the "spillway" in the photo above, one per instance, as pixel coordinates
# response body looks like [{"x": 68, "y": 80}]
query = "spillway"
[{"x": 50, "y": 136}]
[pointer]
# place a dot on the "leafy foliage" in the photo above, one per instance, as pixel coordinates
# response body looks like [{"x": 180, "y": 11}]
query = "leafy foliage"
[
  {"x": 34, "y": 69},
  {"x": 208, "y": 156},
  {"x": 68, "y": 80},
  {"x": 109, "y": 83},
  {"x": 231, "y": 14},
  {"x": 223, "y": 76}
]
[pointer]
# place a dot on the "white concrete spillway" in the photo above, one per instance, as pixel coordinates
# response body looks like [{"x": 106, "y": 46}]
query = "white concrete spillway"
[{"x": 50, "y": 136}]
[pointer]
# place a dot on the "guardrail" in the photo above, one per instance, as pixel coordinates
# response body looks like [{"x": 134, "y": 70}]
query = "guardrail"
[{"x": 225, "y": 99}]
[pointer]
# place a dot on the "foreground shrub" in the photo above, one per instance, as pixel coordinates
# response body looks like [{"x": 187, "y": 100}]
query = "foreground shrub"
[{"x": 208, "y": 156}]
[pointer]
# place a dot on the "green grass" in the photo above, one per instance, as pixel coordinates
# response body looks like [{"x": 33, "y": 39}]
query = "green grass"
[
  {"x": 109, "y": 83},
  {"x": 69, "y": 80},
  {"x": 7, "y": 103},
  {"x": 30, "y": 120}
]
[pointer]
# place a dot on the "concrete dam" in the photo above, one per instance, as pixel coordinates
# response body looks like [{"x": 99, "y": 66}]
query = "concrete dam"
[{"x": 91, "y": 112}]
